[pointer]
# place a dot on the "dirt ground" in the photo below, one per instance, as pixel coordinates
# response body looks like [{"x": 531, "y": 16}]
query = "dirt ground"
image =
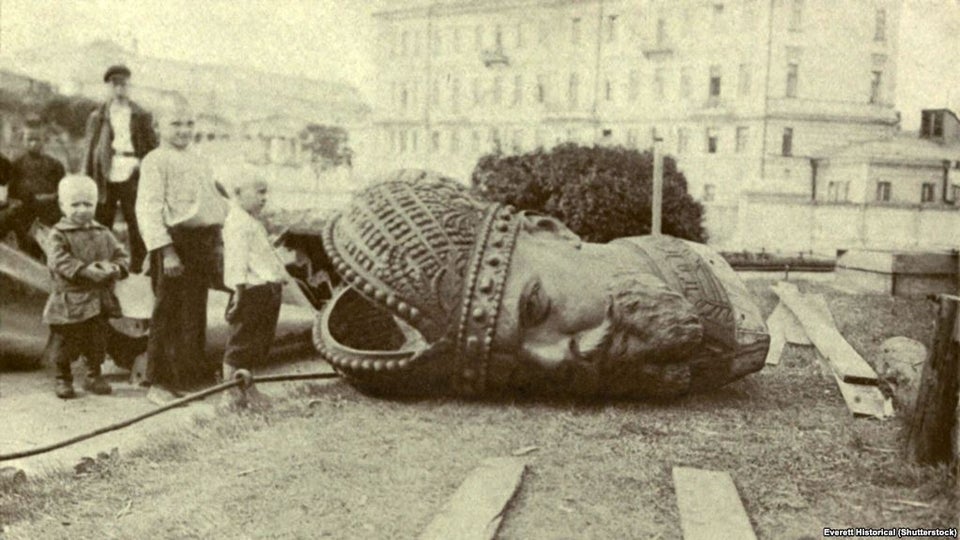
[{"x": 328, "y": 462}]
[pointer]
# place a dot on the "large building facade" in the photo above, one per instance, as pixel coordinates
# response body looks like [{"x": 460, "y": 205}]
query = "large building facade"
[{"x": 744, "y": 93}]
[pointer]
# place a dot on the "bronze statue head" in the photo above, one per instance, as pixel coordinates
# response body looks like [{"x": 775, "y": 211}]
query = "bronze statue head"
[{"x": 452, "y": 295}]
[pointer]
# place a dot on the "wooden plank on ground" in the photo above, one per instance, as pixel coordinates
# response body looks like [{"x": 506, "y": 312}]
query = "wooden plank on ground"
[
  {"x": 709, "y": 505},
  {"x": 865, "y": 400},
  {"x": 844, "y": 359},
  {"x": 793, "y": 330},
  {"x": 777, "y": 342},
  {"x": 475, "y": 510}
]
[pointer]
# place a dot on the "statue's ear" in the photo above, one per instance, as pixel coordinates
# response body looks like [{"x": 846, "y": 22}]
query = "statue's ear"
[{"x": 540, "y": 224}]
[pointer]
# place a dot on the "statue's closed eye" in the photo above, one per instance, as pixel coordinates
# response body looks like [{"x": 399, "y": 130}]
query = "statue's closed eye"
[{"x": 534, "y": 305}]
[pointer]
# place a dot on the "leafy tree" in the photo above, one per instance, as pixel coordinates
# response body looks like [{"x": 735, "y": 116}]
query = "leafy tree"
[
  {"x": 601, "y": 193},
  {"x": 69, "y": 112},
  {"x": 327, "y": 146}
]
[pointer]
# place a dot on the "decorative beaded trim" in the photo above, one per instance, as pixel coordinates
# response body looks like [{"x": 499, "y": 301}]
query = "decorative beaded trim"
[{"x": 483, "y": 293}]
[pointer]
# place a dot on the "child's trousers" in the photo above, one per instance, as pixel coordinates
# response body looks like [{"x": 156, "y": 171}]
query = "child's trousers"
[
  {"x": 253, "y": 327},
  {"x": 68, "y": 341}
]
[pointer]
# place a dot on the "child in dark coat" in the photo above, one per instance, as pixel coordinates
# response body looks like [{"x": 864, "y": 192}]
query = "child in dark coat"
[{"x": 84, "y": 260}]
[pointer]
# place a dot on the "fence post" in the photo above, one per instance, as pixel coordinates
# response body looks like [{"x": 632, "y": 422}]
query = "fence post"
[{"x": 932, "y": 435}]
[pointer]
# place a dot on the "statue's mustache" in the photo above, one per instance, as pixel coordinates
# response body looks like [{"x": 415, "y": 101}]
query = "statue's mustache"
[{"x": 648, "y": 327}]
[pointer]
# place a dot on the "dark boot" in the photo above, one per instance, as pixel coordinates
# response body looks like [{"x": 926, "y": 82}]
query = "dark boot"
[{"x": 64, "y": 389}]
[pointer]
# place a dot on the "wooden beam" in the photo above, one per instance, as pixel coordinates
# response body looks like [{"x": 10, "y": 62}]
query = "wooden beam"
[
  {"x": 844, "y": 359},
  {"x": 475, "y": 510},
  {"x": 709, "y": 505},
  {"x": 932, "y": 435},
  {"x": 865, "y": 400}
]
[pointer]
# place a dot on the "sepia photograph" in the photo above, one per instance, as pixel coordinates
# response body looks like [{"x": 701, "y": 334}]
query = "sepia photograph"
[{"x": 479, "y": 269}]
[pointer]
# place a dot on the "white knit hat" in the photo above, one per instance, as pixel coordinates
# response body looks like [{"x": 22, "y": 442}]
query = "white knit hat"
[{"x": 74, "y": 186}]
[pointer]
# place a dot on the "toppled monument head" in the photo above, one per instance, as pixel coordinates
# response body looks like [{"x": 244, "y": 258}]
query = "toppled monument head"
[{"x": 451, "y": 295}]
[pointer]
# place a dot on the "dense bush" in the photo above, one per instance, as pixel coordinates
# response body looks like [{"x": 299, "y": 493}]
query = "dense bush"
[{"x": 601, "y": 193}]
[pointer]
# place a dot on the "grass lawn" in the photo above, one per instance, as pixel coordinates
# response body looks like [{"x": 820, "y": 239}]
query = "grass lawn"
[{"x": 331, "y": 463}]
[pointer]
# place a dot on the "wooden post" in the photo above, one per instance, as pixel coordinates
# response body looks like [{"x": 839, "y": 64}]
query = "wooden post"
[
  {"x": 932, "y": 436},
  {"x": 656, "y": 204}
]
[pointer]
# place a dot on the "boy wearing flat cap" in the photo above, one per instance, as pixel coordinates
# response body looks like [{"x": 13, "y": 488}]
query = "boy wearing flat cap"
[{"x": 120, "y": 134}]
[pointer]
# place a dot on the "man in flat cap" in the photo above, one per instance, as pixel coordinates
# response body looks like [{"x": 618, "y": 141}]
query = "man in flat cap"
[{"x": 120, "y": 134}]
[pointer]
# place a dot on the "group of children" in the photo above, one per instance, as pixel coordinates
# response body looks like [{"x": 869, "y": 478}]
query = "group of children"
[{"x": 192, "y": 233}]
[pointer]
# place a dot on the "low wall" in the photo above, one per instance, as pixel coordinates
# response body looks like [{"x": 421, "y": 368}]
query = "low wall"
[{"x": 823, "y": 228}]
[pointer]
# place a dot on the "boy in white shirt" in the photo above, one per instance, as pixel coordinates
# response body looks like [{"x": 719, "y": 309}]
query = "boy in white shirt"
[
  {"x": 253, "y": 271},
  {"x": 181, "y": 215}
]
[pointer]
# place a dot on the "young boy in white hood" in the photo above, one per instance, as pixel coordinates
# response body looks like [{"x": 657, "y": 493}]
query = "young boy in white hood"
[{"x": 85, "y": 260}]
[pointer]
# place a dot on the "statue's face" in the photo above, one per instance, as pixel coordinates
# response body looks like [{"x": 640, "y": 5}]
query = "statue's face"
[{"x": 592, "y": 307}]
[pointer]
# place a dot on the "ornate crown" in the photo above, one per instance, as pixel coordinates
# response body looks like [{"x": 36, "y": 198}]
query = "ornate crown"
[{"x": 420, "y": 249}]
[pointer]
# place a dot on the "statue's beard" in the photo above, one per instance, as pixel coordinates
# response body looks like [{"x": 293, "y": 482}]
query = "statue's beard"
[{"x": 650, "y": 333}]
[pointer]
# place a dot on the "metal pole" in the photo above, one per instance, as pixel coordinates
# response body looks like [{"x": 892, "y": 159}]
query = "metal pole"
[{"x": 657, "y": 203}]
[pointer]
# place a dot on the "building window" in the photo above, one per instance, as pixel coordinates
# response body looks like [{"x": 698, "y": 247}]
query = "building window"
[
  {"x": 838, "y": 191},
  {"x": 497, "y": 90},
  {"x": 796, "y": 15},
  {"x": 883, "y": 191},
  {"x": 455, "y": 94},
  {"x": 633, "y": 85},
  {"x": 937, "y": 130},
  {"x": 575, "y": 31},
  {"x": 435, "y": 141},
  {"x": 541, "y": 89},
  {"x": 608, "y": 90},
  {"x": 658, "y": 90},
  {"x": 792, "y": 80},
  {"x": 712, "y": 141},
  {"x": 685, "y": 82},
  {"x": 743, "y": 134},
  {"x": 517, "y": 90},
  {"x": 714, "y": 82},
  {"x": 661, "y": 32},
  {"x": 544, "y": 32},
  {"x": 454, "y": 142},
  {"x": 717, "y": 20},
  {"x": 498, "y": 37},
  {"x": 414, "y": 140},
  {"x": 786, "y": 147},
  {"x": 611, "y": 28},
  {"x": 573, "y": 90},
  {"x": 749, "y": 14},
  {"x": 876, "y": 79},
  {"x": 926, "y": 192},
  {"x": 457, "y": 39},
  {"x": 709, "y": 192},
  {"x": 403, "y": 140},
  {"x": 517, "y": 141},
  {"x": 404, "y": 97},
  {"x": 880, "y": 25},
  {"x": 477, "y": 92},
  {"x": 743, "y": 84},
  {"x": 682, "y": 140}
]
